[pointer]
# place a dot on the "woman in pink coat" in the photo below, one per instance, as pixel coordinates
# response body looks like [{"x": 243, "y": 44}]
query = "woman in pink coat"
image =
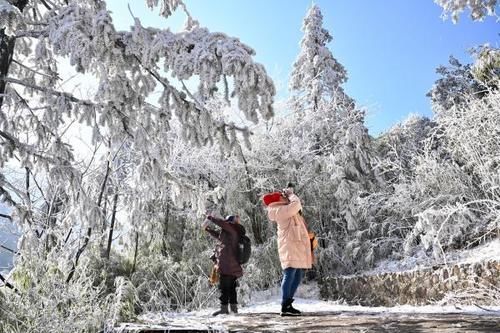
[{"x": 294, "y": 246}]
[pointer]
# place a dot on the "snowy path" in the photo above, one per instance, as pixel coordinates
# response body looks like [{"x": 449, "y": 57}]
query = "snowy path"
[
  {"x": 336, "y": 322},
  {"x": 322, "y": 316}
]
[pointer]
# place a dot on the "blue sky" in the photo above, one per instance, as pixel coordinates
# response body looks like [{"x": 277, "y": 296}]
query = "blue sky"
[{"x": 390, "y": 51}]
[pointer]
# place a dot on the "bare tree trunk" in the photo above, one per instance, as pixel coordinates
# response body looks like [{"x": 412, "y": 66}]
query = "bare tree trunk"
[
  {"x": 105, "y": 213},
  {"x": 7, "y": 44},
  {"x": 324, "y": 231},
  {"x": 135, "y": 252},
  {"x": 165, "y": 233},
  {"x": 78, "y": 254},
  {"x": 112, "y": 227},
  {"x": 103, "y": 186},
  {"x": 28, "y": 185}
]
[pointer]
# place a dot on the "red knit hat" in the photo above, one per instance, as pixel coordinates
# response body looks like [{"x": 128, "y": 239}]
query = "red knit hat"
[{"x": 271, "y": 197}]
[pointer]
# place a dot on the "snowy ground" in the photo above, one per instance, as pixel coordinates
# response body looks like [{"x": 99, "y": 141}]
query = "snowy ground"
[
  {"x": 268, "y": 302},
  {"x": 308, "y": 299},
  {"x": 488, "y": 251}
]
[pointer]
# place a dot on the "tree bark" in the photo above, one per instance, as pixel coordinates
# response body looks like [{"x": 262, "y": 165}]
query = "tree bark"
[
  {"x": 164, "y": 248},
  {"x": 7, "y": 44},
  {"x": 112, "y": 227},
  {"x": 103, "y": 186},
  {"x": 78, "y": 254},
  {"x": 135, "y": 252}
]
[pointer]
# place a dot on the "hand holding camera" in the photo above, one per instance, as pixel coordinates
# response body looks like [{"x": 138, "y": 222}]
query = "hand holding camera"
[{"x": 287, "y": 192}]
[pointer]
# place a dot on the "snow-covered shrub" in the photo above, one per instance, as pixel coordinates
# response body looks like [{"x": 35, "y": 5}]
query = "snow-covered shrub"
[
  {"x": 439, "y": 176},
  {"x": 460, "y": 181},
  {"x": 164, "y": 285},
  {"x": 399, "y": 147},
  {"x": 263, "y": 269},
  {"x": 123, "y": 302},
  {"x": 481, "y": 293},
  {"x": 330, "y": 259},
  {"x": 486, "y": 68},
  {"x": 389, "y": 210},
  {"x": 45, "y": 303},
  {"x": 472, "y": 134}
]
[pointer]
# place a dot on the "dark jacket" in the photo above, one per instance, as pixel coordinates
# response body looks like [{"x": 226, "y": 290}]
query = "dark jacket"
[{"x": 226, "y": 251}]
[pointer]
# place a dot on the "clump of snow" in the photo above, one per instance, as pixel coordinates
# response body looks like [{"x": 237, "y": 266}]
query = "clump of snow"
[
  {"x": 488, "y": 251},
  {"x": 484, "y": 252}
]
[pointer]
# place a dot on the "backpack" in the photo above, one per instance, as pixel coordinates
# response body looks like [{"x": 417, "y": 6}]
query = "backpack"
[{"x": 244, "y": 249}]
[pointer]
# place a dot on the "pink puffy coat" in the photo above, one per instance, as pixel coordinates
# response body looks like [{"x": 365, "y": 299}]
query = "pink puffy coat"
[{"x": 294, "y": 246}]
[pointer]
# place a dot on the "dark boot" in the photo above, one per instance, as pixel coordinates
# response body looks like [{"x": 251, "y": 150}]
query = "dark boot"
[
  {"x": 234, "y": 308},
  {"x": 292, "y": 309},
  {"x": 223, "y": 310},
  {"x": 288, "y": 310}
]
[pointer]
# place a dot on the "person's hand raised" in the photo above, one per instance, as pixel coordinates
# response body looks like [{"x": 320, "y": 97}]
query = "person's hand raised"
[{"x": 287, "y": 192}]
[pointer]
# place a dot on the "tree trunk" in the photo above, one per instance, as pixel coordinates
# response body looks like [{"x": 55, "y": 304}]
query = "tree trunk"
[
  {"x": 164, "y": 248},
  {"x": 112, "y": 227},
  {"x": 7, "y": 44},
  {"x": 103, "y": 186},
  {"x": 135, "y": 252},
  {"x": 78, "y": 254}
]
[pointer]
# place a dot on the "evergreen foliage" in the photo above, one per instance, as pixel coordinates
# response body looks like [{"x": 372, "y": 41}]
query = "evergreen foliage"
[{"x": 114, "y": 232}]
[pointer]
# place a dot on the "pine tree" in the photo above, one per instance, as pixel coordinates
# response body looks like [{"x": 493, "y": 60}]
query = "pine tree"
[
  {"x": 316, "y": 74},
  {"x": 332, "y": 164}
]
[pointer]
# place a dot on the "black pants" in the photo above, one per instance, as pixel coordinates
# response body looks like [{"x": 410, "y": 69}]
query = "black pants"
[{"x": 227, "y": 287}]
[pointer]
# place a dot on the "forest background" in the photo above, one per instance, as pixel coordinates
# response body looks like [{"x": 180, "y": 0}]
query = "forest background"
[{"x": 107, "y": 181}]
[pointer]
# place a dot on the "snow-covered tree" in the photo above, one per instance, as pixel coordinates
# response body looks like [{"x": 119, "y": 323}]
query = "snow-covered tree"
[
  {"x": 446, "y": 197},
  {"x": 455, "y": 86},
  {"x": 67, "y": 206},
  {"x": 478, "y": 8},
  {"x": 398, "y": 148},
  {"x": 328, "y": 150},
  {"x": 486, "y": 68},
  {"x": 459, "y": 83},
  {"x": 316, "y": 74}
]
